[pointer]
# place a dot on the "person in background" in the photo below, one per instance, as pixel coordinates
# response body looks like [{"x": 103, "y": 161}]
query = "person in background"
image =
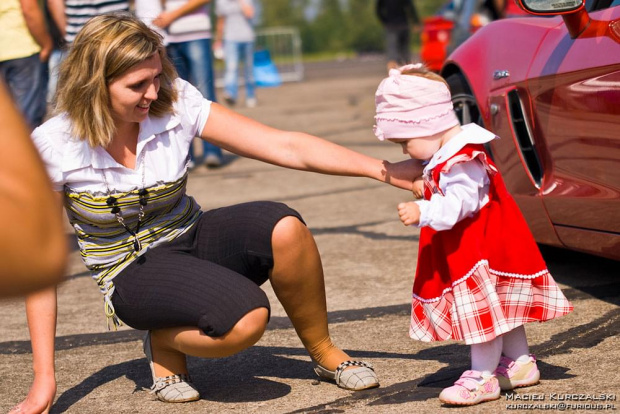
[
  {"x": 78, "y": 12},
  {"x": 56, "y": 22},
  {"x": 480, "y": 276},
  {"x": 235, "y": 35},
  {"x": 399, "y": 18},
  {"x": 33, "y": 247},
  {"x": 69, "y": 16},
  {"x": 187, "y": 26},
  {"x": 25, "y": 47},
  {"x": 116, "y": 153}
]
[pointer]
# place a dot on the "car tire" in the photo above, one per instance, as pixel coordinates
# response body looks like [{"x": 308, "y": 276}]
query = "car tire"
[
  {"x": 464, "y": 101},
  {"x": 465, "y": 104}
]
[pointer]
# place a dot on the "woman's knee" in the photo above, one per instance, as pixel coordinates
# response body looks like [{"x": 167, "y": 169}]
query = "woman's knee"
[
  {"x": 251, "y": 327},
  {"x": 290, "y": 232}
]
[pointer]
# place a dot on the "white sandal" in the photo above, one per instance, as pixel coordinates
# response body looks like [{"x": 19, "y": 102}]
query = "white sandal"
[
  {"x": 355, "y": 379},
  {"x": 174, "y": 388}
]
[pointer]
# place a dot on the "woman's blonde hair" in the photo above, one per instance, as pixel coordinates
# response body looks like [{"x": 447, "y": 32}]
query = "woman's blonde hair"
[{"x": 107, "y": 46}]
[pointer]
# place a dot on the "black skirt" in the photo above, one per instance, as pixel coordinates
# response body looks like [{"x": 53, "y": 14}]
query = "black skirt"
[{"x": 209, "y": 277}]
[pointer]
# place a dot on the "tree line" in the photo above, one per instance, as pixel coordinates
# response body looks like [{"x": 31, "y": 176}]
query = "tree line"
[{"x": 337, "y": 25}]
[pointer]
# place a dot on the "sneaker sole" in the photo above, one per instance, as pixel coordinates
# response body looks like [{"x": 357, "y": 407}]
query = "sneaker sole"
[
  {"x": 361, "y": 389},
  {"x": 474, "y": 402},
  {"x": 178, "y": 401}
]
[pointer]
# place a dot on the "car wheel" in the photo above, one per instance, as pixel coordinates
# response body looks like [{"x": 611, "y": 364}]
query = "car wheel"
[
  {"x": 463, "y": 99},
  {"x": 465, "y": 105}
]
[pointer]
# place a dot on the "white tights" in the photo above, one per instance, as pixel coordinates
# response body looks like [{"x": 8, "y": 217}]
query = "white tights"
[{"x": 485, "y": 356}]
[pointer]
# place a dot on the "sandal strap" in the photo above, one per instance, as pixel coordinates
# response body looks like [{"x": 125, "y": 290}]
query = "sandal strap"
[
  {"x": 347, "y": 364},
  {"x": 162, "y": 382}
]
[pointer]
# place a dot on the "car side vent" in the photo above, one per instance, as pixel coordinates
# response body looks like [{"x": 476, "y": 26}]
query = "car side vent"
[{"x": 524, "y": 137}]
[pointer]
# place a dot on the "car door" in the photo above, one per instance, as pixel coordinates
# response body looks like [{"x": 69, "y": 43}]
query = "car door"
[{"x": 574, "y": 85}]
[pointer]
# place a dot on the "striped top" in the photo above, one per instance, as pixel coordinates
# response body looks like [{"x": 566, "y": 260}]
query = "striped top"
[
  {"x": 106, "y": 247},
  {"x": 78, "y": 12},
  {"x": 80, "y": 173}
]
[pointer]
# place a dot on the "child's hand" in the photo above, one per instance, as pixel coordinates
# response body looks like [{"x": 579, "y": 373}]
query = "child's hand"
[
  {"x": 409, "y": 213},
  {"x": 418, "y": 188}
]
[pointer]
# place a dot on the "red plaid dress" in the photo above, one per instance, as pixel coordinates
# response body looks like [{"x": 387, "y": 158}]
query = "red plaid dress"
[{"x": 485, "y": 276}]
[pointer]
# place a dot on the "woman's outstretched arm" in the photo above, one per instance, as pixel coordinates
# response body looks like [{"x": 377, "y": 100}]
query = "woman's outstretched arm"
[{"x": 300, "y": 151}]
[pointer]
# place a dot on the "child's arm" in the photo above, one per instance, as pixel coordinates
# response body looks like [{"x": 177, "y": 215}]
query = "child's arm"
[{"x": 465, "y": 190}]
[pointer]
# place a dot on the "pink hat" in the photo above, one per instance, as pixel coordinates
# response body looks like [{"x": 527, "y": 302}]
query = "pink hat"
[{"x": 410, "y": 106}]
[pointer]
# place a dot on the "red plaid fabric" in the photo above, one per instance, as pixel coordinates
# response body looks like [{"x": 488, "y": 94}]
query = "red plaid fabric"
[
  {"x": 485, "y": 276},
  {"x": 485, "y": 304}
]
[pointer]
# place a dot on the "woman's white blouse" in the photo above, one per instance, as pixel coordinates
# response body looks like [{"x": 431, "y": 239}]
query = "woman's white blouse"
[
  {"x": 81, "y": 173},
  {"x": 163, "y": 145}
]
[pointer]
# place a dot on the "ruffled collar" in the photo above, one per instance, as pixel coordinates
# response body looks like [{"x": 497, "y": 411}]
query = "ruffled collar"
[
  {"x": 78, "y": 153},
  {"x": 470, "y": 134}
]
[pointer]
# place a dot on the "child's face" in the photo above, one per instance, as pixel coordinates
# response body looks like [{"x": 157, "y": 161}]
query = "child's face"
[{"x": 419, "y": 148}]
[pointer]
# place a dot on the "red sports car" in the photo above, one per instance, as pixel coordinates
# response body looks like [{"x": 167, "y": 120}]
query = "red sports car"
[{"x": 549, "y": 87}]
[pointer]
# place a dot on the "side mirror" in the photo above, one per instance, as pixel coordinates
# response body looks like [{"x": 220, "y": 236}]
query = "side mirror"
[
  {"x": 574, "y": 14},
  {"x": 551, "y": 7}
]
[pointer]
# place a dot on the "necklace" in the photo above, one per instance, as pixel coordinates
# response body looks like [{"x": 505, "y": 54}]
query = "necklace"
[{"x": 116, "y": 210}]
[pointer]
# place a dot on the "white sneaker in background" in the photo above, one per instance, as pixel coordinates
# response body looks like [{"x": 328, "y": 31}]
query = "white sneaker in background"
[{"x": 213, "y": 161}]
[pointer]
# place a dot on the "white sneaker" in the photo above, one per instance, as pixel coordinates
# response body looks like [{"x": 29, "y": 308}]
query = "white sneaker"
[
  {"x": 213, "y": 161},
  {"x": 251, "y": 102}
]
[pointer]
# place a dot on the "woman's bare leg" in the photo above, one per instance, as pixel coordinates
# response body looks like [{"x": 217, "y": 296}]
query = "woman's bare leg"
[
  {"x": 170, "y": 346},
  {"x": 297, "y": 280}
]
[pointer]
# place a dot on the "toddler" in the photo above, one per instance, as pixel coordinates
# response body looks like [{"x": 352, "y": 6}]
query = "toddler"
[{"x": 480, "y": 276}]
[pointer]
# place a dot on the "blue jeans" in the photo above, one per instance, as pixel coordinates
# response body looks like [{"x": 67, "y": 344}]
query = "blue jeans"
[
  {"x": 27, "y": 82},
  {"x": 56, "y": 58},
  {"x": 194, "y": 63},
  {"x": 233, "y": 51}
]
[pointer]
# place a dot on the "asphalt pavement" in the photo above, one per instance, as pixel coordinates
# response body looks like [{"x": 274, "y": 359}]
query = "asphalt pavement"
[{"x": 369, "y": 260}]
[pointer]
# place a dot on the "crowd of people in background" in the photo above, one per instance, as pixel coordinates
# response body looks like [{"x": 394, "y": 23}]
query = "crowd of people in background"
[{"x": 37, "y": 34}]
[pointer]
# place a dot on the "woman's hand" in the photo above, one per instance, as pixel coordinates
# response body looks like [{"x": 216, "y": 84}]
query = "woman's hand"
[
  {"x": 402, "y": 174},
  {"x": 418, "y": 188},
  {"x": 40, "y": 397},
  {"x": 409, "y": 213}
]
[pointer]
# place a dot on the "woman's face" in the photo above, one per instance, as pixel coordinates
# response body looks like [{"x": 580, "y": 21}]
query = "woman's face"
[{"x": 131, "y": 93}]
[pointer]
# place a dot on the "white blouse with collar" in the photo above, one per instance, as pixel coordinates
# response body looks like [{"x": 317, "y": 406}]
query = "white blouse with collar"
[{"x": 81, "y": 173}]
